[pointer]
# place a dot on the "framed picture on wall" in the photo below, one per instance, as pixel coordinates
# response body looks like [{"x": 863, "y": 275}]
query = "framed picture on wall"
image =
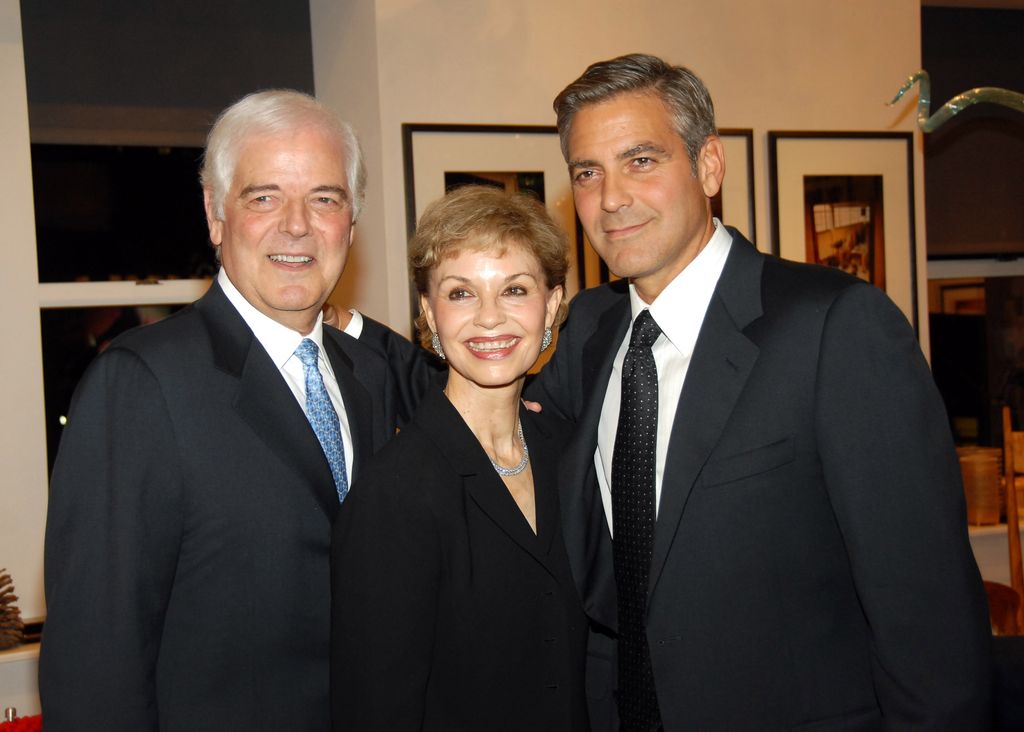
[
  {"x": 527, "y": 158},
  {"x": 846, "y": 200}
]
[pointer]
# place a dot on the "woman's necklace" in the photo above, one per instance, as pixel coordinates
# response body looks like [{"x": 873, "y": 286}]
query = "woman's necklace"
[{"x": 517, "y": 469}]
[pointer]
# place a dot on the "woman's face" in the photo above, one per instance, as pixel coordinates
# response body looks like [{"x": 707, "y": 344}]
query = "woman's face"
[{"x": 490, "y": 312}]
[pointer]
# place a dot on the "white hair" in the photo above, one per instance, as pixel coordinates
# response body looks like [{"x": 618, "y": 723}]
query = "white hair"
[{"x": 269, "y": 112}]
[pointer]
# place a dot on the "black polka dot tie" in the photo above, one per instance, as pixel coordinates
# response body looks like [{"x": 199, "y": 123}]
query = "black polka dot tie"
[{"x": 633, "y": 471}]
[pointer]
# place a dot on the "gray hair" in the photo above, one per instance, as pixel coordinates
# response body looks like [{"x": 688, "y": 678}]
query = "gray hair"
[
  {"x": 269, "y": 112},
  {"x": 682, "y": 92}
]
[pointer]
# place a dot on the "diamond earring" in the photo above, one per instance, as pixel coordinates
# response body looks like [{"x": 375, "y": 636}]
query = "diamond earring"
[{"x": 435, "y": 341}]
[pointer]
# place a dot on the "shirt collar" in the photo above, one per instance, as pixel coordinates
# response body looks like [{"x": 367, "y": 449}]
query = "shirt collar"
[
  {"x": 278, "y": 340},
  {"x": 679, "y": 308}
]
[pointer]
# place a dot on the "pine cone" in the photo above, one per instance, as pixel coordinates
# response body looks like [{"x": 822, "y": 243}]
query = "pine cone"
[{"x": 12, "y": 630}]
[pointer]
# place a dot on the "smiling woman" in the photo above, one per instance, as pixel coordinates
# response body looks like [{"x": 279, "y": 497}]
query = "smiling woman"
[{"x": 462, "y": 506}]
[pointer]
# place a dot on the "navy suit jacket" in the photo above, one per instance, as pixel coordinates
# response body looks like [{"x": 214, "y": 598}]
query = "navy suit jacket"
[
  {"x": 811, "y": 564},
  {"x": 188, "y": 533}
]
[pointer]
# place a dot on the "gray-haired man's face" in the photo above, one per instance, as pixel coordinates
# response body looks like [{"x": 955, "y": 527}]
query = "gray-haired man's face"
[{"x": 287, "y": 225}]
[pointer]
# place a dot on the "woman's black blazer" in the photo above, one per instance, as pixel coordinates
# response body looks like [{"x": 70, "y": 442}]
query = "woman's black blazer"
[{"x": 449, "y": 613}]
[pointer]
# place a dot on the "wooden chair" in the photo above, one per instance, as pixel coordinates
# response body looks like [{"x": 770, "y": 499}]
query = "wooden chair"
[
  {"x": 1003, "y": 606},
  {"x": 1006, "y": 604}
]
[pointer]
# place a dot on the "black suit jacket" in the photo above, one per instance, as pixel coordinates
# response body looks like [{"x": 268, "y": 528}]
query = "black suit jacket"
[
  {"x": 811, "y": 562},
  {"x": 449, "y": 612},
  {"x": 188, "y": 533}
]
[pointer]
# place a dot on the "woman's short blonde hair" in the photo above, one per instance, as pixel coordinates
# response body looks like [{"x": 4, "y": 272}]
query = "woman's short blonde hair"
[{"x": 483, "y": 218}]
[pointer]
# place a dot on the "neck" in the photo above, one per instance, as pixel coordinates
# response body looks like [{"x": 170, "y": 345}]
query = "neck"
[
  {"x": 648, "y": 287},
  {"x": 491, "y": 413}
]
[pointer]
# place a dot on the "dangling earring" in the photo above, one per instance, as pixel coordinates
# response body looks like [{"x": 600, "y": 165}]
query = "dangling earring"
[
  {"x": 435, "y": 341},
  {"x": 546, "y": 340}
]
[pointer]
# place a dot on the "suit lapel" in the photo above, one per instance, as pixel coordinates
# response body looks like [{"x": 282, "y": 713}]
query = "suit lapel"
[
  {"x": 587, "y": 537},
  {"x": 263, "y": 399},
  {"x": 358, "y": 405},
  {"x": 723, "y": 359},
  {"x": 445, "y": 428}
]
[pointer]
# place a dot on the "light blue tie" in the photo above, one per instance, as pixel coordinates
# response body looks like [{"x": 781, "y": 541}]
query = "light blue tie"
[{"x": 322, "y": 417}]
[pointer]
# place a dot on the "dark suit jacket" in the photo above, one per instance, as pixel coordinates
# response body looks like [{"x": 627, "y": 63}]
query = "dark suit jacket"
[
  {"x": 811, "y": 565},
  {"x": 188, "y": 534},
  {"x": 449, "y": 612}
]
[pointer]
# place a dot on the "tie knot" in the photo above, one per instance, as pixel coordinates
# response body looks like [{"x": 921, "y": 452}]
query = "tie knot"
[
  {"x": 307, "y": 352},
  {"x": 645, "y": 331}
]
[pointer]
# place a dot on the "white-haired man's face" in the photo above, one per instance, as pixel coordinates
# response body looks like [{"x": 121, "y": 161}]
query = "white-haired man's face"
[{"x": 287, "y": 225}]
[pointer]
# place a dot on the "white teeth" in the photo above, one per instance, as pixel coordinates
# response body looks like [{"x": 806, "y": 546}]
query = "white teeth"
[
  {"x": 492, "y": 345},
  {"x": 290, "y": 258}
]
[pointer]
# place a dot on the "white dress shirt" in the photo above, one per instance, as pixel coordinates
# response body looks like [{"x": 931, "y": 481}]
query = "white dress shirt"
[
  {"x": 355, "y": 324},
  {"x": 280, "y": 343},
  {"x": 679, "y": 311}
]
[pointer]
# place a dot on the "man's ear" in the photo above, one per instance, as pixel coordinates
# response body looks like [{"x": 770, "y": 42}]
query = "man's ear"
[
  {"x": 215, "y": 225},
  {"x": 711, "y": 165}
]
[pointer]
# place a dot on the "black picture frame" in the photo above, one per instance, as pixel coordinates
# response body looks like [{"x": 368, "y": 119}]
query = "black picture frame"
[{"x": 794, "y": 156}]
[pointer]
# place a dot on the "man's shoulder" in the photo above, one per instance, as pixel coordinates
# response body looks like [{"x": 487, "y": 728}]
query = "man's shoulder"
[
  {"x": 179, "y": 331},
  {"x": 593, "y": 301},
  {"x": 356, "y": 349},
  {"x": 785, "y": 280},
  {"x": 387, "y": 342}
]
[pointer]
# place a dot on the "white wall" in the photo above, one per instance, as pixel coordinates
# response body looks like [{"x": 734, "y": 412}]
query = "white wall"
[
  {"x": 22, "y": 434},
  {"x": 783, "y": 65}
]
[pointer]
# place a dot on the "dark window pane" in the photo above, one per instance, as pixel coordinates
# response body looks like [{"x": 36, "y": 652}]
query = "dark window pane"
[
  {"x": 977, "y": 353},
  {"x": 72, "y": 337},
  {"x": 115, "y": 213}
]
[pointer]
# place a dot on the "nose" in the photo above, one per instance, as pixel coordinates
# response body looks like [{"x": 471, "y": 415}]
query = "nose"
[
  {"x": 489, "y": 314},
  {"x": 295, "y": 219},
  {"x": 614, "y": 192}
]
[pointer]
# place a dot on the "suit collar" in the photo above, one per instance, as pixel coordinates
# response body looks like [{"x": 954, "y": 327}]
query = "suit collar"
[
  {"x": 263, "y": 399},
  {"x": 739, "y": 287},
  {"x": 442, "y": 425},
  {"x": 358, "y": 403},
  {"x": 723, "y": 359},
  {"x": 587, "y": 538}
]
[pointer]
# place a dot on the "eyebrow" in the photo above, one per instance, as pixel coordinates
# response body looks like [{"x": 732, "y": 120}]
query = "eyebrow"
[
  {"x": 262, "y": 187},
  {"x": 638, "y": 149},
  {"x": 643, "y": 147},
  {"x": 250, "y": 189},
  {"x": 459, "y": 278},
  {"x": 340, "y": 190}
]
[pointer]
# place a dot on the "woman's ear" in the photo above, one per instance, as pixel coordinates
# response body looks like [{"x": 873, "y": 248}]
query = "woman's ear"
[
  {"x": 554, "y": 301},
  {"x": 428, "y": 313}
]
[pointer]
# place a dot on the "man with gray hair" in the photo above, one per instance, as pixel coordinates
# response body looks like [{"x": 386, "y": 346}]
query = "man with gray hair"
[
  {"x": 762, "y": 505},
  {"x": 188, "y": 535}
]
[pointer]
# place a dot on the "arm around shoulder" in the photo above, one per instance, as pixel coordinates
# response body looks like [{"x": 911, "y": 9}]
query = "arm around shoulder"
[{"x": 414, "y": 371}]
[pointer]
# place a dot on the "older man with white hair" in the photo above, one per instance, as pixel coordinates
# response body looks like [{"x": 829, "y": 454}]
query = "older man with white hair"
[{"x": 188, "y": 534}]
